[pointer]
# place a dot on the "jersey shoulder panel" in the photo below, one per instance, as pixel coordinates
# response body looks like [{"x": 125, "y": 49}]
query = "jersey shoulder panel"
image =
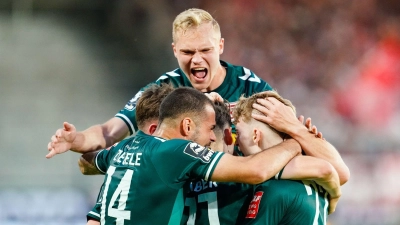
[
  {"x": 243, "y": 76},
  {"x": 189, "y": 160},
  {"x": 103, "y": 158},
  {"x": 128, "y": 114},
  {"x": 175, "y": 77}
]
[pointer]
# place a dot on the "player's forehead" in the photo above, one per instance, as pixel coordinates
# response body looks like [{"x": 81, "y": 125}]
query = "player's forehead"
[{"x": 201, "y": 36}]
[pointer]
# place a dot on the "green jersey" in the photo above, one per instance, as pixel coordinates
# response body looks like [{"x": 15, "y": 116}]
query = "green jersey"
[
  {"x": 286, "y": 202},
  {"x": 238, "y": 81},
  {"x": 95, "y": 212},
  {"x": 145, "y": 176},
  {"x": 214, "y": 203}
]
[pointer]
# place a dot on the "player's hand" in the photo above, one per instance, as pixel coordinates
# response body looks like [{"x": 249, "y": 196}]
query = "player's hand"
[
  {"x": 277, "y": 115},
  {"x": 214, "y": 96},
  {"x": 311, "y": 128},
  {"x": 62, "y": 140},
  {"x": 332, "y": 205},
  {"x": 92, "y": 222}
]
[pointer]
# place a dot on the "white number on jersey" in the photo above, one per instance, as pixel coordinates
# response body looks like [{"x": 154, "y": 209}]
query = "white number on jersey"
[
  {"x": 212, "y": 203},
  {"x": 307, "y": 185},
  {"x": 122, "y": 190}
]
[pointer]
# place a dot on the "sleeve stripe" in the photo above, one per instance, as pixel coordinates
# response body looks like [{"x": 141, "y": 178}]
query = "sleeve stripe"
[
  {"x": 279, "y": 174},
  {"x": 127, "y": 120},
  {"x": 211, "y": 167},
  {"x": 94, "y": 214},
  {"x": 97, "y": 165}
]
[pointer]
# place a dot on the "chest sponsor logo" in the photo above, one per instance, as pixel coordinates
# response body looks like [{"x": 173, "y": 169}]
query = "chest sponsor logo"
[
  {"x": 203, "y": 186},
  {"x": 200, "y": 152},
  {"x": 254, "y": 205},
  {"x": 131, "y": 105}
]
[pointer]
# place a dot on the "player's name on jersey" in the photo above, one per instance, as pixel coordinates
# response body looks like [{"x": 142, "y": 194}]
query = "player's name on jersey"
[
  {"x": 202, "y": 185},
  {"x": 127, "y": 158}
]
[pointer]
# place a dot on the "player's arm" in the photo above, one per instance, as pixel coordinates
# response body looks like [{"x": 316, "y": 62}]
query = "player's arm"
[
  {"x": 100, "y": 136},
  {"x": 311, "y": 168},
  {"x": 257, "y": 168},
  {"x": 94, "y": 138},
  {"x": 283, "y": 119},
  {"x": 87, "y": 164}
]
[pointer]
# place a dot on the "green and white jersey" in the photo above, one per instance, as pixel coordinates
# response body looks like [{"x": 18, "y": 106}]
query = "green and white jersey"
[
  {"x": 238, "y": 81},
  {"x": 95, "y": 211},
  {"x": 286, "y": 202},
  {"x": 214, "y": 203},
  {"x": 145, "y": 176}
]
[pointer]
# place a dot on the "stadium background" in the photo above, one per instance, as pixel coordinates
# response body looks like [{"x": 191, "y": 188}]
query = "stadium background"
[{"x": 81, "y": 61}]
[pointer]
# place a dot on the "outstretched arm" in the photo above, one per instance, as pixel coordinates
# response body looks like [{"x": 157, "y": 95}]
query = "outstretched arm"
[
  {"x": 283, "y": 119},
  {"x": 322, "y": 172},
  {"x": 95, "y": 137}
]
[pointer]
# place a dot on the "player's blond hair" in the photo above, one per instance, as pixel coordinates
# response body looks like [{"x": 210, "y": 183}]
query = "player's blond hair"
[
  {"x": 192, "y": 18},
  {"x": 244, "y": 107}
]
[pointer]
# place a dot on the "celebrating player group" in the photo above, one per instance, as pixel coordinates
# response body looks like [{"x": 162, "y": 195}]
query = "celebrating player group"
[{"x": 207, "y": 143}]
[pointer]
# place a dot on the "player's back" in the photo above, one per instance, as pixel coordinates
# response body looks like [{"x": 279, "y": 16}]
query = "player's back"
[
  {"x": 287, "y": 202},
  {"x": 144, "y": 179},
  {"x": 210, "y": 202}
]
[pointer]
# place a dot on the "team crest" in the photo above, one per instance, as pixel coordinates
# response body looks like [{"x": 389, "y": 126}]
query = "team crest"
[{"x": 199, "y": 152}]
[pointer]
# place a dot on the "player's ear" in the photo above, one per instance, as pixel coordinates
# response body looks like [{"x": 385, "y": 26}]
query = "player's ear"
[
  {"x": 228, "y": 136},
  {"x": 174, "y": 49},
  {"x": 221, "y": 45},
  {"x": 152, "y": 128},
  {"x": 187, "y": 126},
  {"x": 256, "y": 135}
]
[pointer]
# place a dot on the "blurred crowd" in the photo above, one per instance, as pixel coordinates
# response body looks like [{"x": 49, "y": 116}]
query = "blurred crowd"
[{"x": 338, "y": 61}]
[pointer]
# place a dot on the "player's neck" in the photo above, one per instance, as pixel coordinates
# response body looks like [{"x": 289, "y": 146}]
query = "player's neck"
[
  {"x": 270, "y": 142},
  {"x": 166, "y": 132}
]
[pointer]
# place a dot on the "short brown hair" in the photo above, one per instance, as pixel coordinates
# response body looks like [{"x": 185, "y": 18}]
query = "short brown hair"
[
  {"x": 184, "y": 101},
  {"x": 148, "y": 105},
  {"x": 222, "y": 115}
]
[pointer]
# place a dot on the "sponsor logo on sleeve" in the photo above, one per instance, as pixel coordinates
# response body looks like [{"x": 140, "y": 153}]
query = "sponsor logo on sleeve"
[
  {"x": 200, "y": 152},
  {"x": 131, "y": 105},
  {"x": 254, "y": 205}
]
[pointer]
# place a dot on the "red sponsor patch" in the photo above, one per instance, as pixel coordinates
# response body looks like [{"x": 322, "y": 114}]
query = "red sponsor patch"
[{"x": 254, "y": 205}]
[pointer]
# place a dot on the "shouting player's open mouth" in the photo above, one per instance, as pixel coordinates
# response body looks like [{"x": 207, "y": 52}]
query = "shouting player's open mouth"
[{"x": 199, "y": 74}]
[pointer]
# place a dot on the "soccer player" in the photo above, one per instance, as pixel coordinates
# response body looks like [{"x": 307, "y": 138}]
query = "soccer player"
[
  {"x": 147, "y": 120},
  {"x": 209, "y": 202},
  {"x": 283, "y": 119},
  {"x": 197, "y": 46},
  {"x": 220, "y": 202},
  {"x": 147, "y": 112},
  {"x": 283, "y": 201},
  {"x": 145, "y": 174}
]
